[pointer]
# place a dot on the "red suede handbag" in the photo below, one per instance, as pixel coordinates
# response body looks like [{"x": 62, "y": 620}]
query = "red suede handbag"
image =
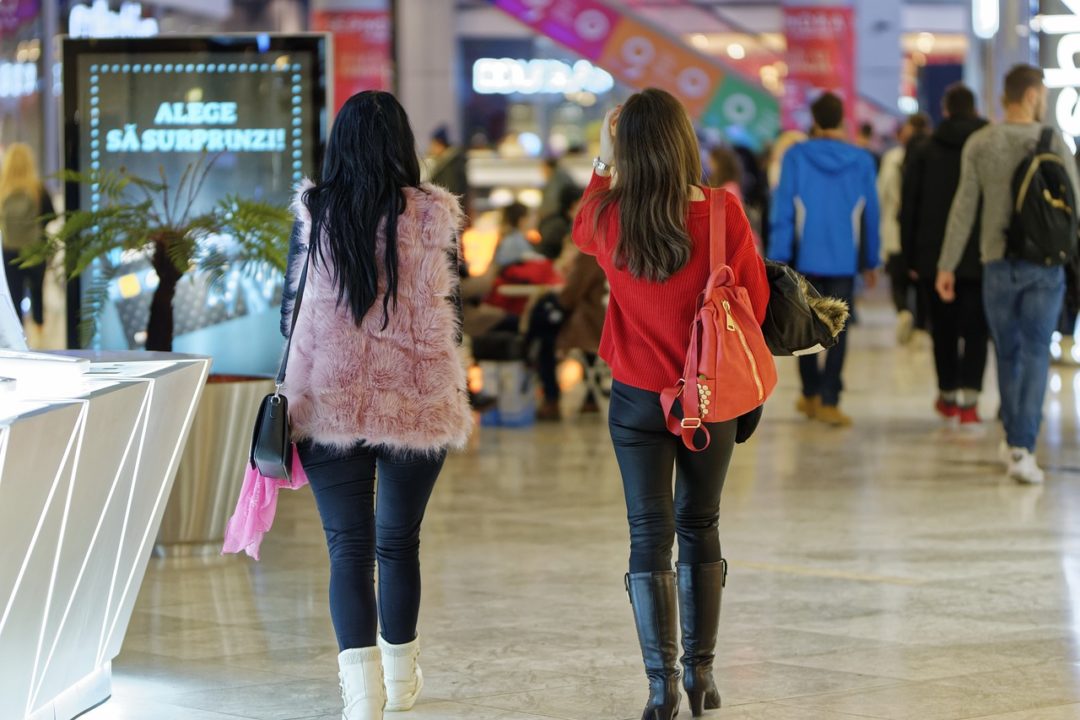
[{"x": 729, "y": 369}]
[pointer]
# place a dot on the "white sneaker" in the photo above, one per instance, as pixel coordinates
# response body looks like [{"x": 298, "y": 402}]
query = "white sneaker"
[
  {"x": 401, "y": 670},
  {"x": 362, "y": 688},
  {"x": 905, "y": 326},
  {"x": 1023, "y": 468}
]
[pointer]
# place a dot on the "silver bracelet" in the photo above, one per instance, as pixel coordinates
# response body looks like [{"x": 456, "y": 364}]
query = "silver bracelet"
[{"x": 600, "y": 166}]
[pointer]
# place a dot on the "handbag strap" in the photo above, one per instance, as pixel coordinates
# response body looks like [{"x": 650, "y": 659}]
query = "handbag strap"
[
  {"x": 292, "y": 325},
  {"x": 717, "y": 228},
  {"x": 687, "y": 388}
]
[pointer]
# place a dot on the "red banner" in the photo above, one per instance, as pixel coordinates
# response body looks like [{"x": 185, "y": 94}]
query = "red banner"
[
  {"x": 363, "y": 50},
  {"x": 820, "y": 58}
]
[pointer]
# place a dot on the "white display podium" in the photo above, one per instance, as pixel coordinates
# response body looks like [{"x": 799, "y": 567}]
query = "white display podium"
[{"x": 86, "y": 466}]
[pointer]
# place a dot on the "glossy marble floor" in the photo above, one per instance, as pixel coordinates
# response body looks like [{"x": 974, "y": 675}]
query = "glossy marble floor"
[{"x": 885, "y": 571}]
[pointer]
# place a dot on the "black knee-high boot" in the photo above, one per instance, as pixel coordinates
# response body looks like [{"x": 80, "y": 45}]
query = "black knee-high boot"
[
  {"x": 700, "y": 590},
  {"x": 655, "y": 603}
]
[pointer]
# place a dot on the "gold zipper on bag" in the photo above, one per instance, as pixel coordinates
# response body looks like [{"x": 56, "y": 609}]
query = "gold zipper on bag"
[{"x": 732, "y": 326}]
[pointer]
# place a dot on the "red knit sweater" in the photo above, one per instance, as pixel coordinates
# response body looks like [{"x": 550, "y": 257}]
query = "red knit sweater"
[{"x": 647, "y": 329}]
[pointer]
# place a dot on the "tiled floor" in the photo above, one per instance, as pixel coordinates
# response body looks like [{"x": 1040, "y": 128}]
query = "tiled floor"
[{"x": 886, "y": 571}]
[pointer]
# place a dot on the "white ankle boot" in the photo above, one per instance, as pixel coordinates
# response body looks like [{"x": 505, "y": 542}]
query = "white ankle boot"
[
  {"x": 362, "y": 684},
  {"x": 404, "y": 680}
]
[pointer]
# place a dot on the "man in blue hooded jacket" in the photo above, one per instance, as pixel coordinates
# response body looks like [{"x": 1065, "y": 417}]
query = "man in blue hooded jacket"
[{"x": 824, "y": 222}]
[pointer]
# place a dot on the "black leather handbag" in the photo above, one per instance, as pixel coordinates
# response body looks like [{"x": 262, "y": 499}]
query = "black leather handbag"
[
  {"x": 798, "y": 320},
  {"x": 271, "y": 440}
]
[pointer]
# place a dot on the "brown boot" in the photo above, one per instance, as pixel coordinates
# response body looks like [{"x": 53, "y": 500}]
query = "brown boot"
[
  {"x": 831, "y": 415},
  {"x": 549, "y": 411},
  {"x": 808, "y": 406}
]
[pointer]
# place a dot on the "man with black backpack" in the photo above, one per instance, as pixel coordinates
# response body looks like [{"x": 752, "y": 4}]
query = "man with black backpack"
[{"x": 1027, "y": 181}]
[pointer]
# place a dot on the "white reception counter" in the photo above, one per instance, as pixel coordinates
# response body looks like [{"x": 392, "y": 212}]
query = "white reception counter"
[{"x": 86, "y": 467}]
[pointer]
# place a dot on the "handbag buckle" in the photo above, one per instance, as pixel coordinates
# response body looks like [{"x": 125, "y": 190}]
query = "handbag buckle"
[{"x": 691, "y": 423}]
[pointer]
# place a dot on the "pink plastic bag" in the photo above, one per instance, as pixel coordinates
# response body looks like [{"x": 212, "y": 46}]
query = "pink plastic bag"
[{"x": 256, "y": 508}]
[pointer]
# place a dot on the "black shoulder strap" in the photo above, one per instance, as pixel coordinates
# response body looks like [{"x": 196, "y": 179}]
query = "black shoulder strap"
[
  {"x": 295, "y": 315},
  {"x": 1046, "y": 138}
]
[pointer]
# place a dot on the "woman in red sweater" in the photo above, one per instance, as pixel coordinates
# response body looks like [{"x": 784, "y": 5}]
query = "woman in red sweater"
[{"x": 650, "y": 232}]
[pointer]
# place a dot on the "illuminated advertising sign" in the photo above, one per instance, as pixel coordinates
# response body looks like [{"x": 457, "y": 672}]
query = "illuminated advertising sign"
[
  {"x": 507, "y": 76},
  {"x": 1059, "y": 28},
  {"x": 820, "y": 57},
  {"x": 255, "y": 105},
  {"x": 363, "y": 47},
  {"x": 98, "y": 21}
]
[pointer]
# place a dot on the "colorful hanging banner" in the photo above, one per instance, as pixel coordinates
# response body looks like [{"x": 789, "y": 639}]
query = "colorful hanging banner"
[
  {"x": 641, "y": 56},
  {"x": 820, "y": 58},
  {"x": 363, "y": 48}
]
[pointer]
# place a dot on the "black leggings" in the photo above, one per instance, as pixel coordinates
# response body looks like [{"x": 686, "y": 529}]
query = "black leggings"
[
  {"x": 647, "y": 454},
  {"x": 963, "y": 319},
  {"x": 359, "y": 530},
  {"x": 21, "y": 280}
]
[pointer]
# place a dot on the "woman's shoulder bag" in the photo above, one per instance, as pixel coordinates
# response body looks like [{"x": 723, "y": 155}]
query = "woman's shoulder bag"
[
  {"x": 271, "y": 440},
  {"x": 729, "y": 370}
]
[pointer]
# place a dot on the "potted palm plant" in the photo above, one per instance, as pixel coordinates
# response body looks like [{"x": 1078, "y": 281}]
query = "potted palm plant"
[
  {"x": 168, "y": 223},
  {"x": 157, "y": 218}
]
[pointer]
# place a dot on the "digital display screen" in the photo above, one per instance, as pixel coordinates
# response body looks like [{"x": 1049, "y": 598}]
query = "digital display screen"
[{"x": 252, "y": 107}]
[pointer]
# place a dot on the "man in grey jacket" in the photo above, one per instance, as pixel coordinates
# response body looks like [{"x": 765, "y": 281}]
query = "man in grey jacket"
[{"x": 1022, "y": 299}]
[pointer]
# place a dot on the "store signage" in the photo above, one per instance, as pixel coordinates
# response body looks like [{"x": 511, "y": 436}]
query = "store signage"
[
  {"x": 18, "y": 79},
  {"x": 98, "y": 21},
  {"x": 195, "y": 138},
  {"x": 1059, "y": 27},
  {"x": 641, "y": 55},
  {"x": 507, "y": 76},
  {"x": 820, "y": 57}
]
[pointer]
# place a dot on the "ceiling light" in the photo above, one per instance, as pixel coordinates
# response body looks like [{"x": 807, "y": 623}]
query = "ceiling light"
[{"x": 985, "y": 18}]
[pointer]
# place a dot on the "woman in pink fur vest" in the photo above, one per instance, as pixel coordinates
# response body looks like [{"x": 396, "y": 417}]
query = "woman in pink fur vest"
[{"x": 375, "y": 384}]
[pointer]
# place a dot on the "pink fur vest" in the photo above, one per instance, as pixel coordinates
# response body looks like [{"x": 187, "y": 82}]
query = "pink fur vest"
[{"x": 402, "y": 388}]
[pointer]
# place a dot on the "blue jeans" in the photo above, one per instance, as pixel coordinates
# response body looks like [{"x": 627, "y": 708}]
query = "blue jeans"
[
  {"x": 358, "y": 531},
  {"x": 1023, "y": 304},
  {"x": 828, "y": 383}
]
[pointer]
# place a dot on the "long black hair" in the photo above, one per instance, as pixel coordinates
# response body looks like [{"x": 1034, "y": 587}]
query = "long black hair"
[{"x": 370, "y": 158}]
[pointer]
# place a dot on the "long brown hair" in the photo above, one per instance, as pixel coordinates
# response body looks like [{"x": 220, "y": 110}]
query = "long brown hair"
[{"x": 657, "y": 160}]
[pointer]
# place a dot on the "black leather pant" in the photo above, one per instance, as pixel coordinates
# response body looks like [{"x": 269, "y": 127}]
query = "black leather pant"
[{"x": 647, "y": 454}]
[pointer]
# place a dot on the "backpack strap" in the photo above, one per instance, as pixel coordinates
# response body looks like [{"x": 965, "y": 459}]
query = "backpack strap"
[
  {"x": 1046, "y": 139},
  {"x": 717, "y": 228}
]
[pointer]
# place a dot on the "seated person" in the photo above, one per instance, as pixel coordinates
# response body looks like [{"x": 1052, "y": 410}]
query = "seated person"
[
  {"x": 514, "y": 247},
  {"x": 518, "y": 263},
  {"x": 572, "y": 319},
  {"x": 556, "y": 227}
]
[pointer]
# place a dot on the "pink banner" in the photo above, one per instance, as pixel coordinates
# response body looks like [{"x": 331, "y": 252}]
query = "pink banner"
[
  {"x": 584, "y": 26},
  {"x": 820, "y": 58},
  {"x": 363, "y": 50}
]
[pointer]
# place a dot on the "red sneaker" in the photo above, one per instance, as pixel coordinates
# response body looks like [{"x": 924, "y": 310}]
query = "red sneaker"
[
  {"x": 969, "y": 416},
  {"x": 946, "y": 409}
]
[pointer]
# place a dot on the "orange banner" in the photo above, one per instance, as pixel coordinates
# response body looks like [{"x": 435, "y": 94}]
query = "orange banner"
[{"x": 642, "y": 57}]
